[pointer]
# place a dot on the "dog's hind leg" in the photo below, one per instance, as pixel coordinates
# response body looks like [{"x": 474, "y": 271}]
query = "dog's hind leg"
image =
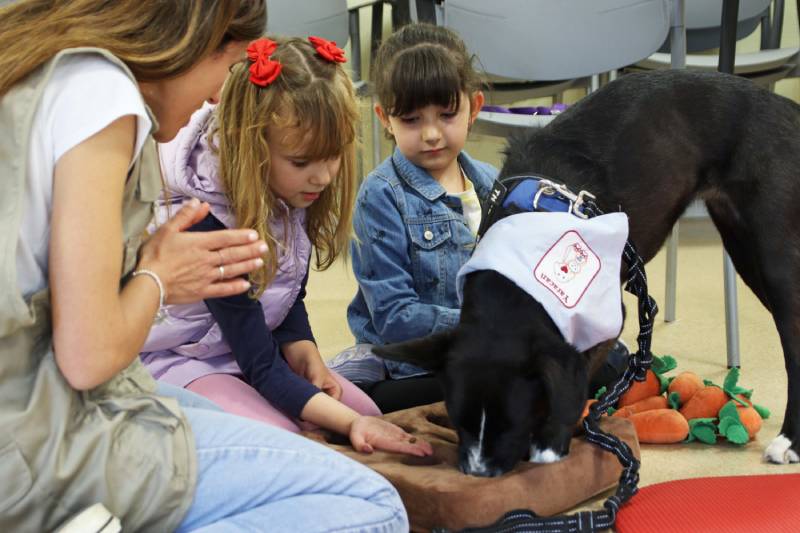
[{"x": 765, "y": 248}]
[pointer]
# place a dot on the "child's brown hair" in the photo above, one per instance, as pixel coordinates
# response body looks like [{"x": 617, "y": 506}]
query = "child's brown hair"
[
  {"x": 315, "y": 97},
  {"x": 422, "y": 64}
]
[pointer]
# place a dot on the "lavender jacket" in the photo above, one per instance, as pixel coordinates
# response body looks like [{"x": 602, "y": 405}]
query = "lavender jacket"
[{"x": 190, "y": 343}]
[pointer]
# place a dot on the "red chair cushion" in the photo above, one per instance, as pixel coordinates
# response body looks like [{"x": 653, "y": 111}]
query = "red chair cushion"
[{"x": 733, "y": 504}]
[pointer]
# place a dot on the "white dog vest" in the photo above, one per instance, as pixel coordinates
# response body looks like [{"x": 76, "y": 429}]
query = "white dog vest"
[{"x": 570, "y": 265}]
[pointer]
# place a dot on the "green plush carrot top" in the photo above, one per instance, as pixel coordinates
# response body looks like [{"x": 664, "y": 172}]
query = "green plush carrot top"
[{"x": 692, "y": 409}]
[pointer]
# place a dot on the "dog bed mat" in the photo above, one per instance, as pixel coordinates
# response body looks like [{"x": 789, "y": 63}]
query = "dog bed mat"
[
  {"x": 437, "y": 494},
  {"x": 733, "y": 504}
]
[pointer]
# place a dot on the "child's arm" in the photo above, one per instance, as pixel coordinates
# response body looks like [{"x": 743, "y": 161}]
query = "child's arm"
[
  {"x": 260, "y": 359},
  {"x": 305, "y": 360},
  {"x": 299, "y": 348},
  {"x": 383, "y": 269},
  {"x": 367, "y": 433},
  {"x": 241, "y": 320},
  {"x": 295, "y": 327}
]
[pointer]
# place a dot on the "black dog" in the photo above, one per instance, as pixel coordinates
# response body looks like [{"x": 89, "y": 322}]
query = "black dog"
[{"x": 646, "y": 144}]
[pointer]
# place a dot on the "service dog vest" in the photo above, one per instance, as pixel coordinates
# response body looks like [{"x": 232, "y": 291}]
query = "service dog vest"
[{"x": 570, "y": 265}]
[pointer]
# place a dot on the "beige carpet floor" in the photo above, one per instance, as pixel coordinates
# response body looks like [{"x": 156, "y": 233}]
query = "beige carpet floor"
[{"x": 696, "y": 339}]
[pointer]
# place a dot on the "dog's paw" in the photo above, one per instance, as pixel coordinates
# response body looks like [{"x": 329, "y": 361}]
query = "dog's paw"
[
  {"x": 544, "y": 456},
  {"x": 780, "y": 451}
]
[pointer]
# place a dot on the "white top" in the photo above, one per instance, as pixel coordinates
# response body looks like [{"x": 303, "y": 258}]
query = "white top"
[
  {"x": 85, "y": 94},
  {"x": 568, "y": 264},
  {"x": 471, "y": 206}
]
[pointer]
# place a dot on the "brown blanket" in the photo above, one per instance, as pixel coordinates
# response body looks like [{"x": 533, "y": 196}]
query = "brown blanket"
[{"x": 437, "y": 494}]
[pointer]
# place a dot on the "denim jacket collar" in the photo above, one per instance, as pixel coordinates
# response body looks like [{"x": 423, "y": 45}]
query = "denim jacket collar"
[
  {"x": 416, "y": 177},
  {"x": 482, "y": 186},
  {"x": 421, "y": 181}
]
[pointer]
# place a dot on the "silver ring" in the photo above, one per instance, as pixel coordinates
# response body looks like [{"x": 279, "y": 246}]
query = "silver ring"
[{"x": 221, "y": 272}]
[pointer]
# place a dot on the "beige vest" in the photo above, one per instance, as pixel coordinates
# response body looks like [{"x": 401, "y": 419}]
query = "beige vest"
[{"x": 62, "y": 450}]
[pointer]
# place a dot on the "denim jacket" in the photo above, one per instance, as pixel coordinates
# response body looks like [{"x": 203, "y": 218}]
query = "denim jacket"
[{"x": 411, "y": 240}]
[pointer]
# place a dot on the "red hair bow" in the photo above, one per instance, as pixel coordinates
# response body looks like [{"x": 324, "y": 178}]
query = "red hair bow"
[
  {"x": 263, "y": 71},
  {"x": 328, "y": 49}
]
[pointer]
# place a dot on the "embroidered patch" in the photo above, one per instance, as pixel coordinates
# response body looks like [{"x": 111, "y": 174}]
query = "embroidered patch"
[{"x": 568, "y": 268}]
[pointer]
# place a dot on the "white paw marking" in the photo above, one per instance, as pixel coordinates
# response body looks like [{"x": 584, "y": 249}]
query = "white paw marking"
[
  {"x": 544, "y": 456},
  {"x": 477, "y": 465},
  {"x": 779, "y": 451}
]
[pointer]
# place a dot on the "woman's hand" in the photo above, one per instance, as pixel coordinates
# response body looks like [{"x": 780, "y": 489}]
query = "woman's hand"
[
  {"x": 304, "y": 359},
  {"x": 198, "y": 265},
  {"x": 368, "y": 433}
]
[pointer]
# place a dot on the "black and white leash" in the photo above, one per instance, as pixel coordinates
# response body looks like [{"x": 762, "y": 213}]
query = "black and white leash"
[{"x": 526, "y": 521}]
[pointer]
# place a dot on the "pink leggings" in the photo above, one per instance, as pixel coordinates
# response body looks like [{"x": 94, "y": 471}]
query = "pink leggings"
[{"x": 237, "y": 397}]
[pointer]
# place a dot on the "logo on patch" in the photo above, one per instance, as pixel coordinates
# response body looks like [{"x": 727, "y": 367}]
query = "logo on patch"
[{"x": 568, "y": 268}]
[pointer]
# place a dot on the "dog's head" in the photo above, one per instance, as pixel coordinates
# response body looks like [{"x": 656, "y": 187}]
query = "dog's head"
[{"x": 514, "y": 389}]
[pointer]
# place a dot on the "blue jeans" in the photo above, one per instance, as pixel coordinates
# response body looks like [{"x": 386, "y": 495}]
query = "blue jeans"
[{"x": 255, "y": 477}]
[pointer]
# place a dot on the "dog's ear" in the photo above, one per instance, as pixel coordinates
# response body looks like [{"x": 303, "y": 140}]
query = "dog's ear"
[{"x": 428, "y": 352}]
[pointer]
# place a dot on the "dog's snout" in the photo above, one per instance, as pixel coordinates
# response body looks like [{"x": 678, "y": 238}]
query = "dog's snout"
[
  {"x": 475, "y": 462},
  {"x": 479, "y": 470}
]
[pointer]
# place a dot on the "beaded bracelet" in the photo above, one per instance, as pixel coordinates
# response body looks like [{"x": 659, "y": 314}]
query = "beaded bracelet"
[{"x": 161, "y": 314}]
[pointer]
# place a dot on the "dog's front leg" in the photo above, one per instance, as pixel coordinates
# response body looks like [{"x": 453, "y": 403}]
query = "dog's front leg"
[
  {"x": 565, "y": 380},
  {"x": 550, "y": 442}
]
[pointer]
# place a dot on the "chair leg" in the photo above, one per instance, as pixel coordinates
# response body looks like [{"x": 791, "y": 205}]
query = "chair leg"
[
  {"x": 594, "y": 83},
  {"x": 727, "y": 56},
  {"x": 731, "y": 312},
  {"x": 672, "y": 275}
]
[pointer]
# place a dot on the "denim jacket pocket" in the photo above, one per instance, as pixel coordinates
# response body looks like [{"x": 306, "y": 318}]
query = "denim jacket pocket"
[
  {"x": 431, "y": 245},
  {"x": 428, "y": 235}
]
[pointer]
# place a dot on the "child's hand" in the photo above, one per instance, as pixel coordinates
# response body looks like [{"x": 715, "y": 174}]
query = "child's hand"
[
  {"x": 304, "y": 359},
  {"x": 368, "y": 433}
]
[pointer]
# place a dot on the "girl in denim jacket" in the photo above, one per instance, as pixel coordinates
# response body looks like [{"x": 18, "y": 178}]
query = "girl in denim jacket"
[
  {"x": 277, "y": 156},
  {"x": 417, "y": 214}
]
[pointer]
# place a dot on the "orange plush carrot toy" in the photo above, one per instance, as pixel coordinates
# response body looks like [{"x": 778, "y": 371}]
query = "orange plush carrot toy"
[
  {"x": 685, "y": 385},
  {"x": 693, "y": 409},
  {"x": 660, "y": 426}
]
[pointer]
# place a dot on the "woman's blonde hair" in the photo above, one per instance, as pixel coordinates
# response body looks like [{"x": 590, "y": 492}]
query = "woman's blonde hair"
[
  {"x": 156, "y": 39},
  {"x": 313, "y": 97}
]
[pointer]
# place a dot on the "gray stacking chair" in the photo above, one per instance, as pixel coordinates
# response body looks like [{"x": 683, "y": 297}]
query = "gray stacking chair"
[
  {"x": 702, "y": 20},
  {"x": 326, "y": 18},
  {"x": 522, "y": 44}
]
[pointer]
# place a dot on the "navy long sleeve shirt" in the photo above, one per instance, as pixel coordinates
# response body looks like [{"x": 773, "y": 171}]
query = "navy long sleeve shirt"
[{"x": 256, "y": 348}]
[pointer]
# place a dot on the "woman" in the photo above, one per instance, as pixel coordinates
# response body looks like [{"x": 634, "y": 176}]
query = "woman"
[{"x": 79, "y": 420}]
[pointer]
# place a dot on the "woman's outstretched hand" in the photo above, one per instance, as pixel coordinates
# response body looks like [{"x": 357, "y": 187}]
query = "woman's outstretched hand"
[
  {"x": 197, "y": 265},
  {"x": 368, "y": 433}
]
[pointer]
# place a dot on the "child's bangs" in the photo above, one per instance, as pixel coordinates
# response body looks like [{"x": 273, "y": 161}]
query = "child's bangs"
[
  {"x": 322, "y": 127},
  {"x": 421, "y": 77}
]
